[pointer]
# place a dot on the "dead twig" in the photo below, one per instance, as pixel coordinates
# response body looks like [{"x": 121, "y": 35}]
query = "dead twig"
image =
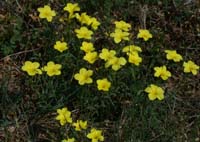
[
  {"x": 18, "y": 53},
  {"x": 143, "y": 15}
]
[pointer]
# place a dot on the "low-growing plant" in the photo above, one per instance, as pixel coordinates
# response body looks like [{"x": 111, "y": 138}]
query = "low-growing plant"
[{"x": 98, "y": 71}]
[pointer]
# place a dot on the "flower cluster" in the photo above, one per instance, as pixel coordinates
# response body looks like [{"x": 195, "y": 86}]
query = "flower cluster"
[
  {"x": 85, "y": 19},
  {"x": 32, "y": 68},
  {"x": 72, "y": 8},
  {"x": 173, "y": 55},
  {"x": 132, "y": 52},
  {"x": 189, "y": 66},
  {"x": 84, "y": 77},
  {"x": 113, "y": 58},
  {"x": 121, "y": 31},
  {"x": 80, "y": 124},
  {"x": 64, "y": 117},
  {"x": 109, "y": 56},
  {"x": 156, "y": 91}
]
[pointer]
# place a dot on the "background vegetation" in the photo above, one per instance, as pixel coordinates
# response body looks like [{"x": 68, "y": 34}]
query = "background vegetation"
[{"x": 28, "y": 104}]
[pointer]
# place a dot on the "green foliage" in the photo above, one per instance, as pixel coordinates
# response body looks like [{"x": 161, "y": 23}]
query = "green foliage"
[
  {"x": 125, "y": 114},
  {"x": 11, "y": 35}
]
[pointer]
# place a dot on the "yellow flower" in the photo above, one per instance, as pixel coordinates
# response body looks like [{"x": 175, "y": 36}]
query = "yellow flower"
[
  {"x": 79, "y": 125},
  {"x": 173, "y": 55},
  {"x": 116, "y": 63},
  {"x": 95, "y": 135},
  {"x": 46, "y": 12},
  {"x": 134, "y": 58},
  {"x": 69, "y": 140},
  {"x": 91, "y": 57},
  {"x": 87, "y": 47},
  {"x": 32, "y": 68},
  {"x": 106, "y": 54},
  {"x": 64, "y": 116},
  {"x": 88, "y": 20},
  {"x": 119, "y": 35},
  {"x": 162, "y": 72},
  {"x": 84, "y": 18},
  {"x": 52, "y": 68},
  {"x": 145, "y": 34},
  {"x": 83, "y": 32},
  {"x": 83, "y": 76},
  {"x": 190, "y": 67},
  {"x": 122, "y": 25},
  {"x": 155, "y": 92},
  {"x": 103, "y": 84},
  {"x": 94, "y": 23},
  {"x": 60, "y": 46},
  {"x": 131, "y": 48},
  {"x": 71, "y": 8}
]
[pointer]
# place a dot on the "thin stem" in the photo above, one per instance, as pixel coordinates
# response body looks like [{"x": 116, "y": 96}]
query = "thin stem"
[{"x": 18, "y": 53}]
